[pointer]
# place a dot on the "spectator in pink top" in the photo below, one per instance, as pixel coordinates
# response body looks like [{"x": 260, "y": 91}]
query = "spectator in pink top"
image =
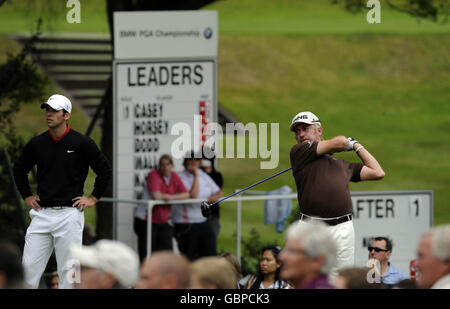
[{"x": 162, "y": 184}]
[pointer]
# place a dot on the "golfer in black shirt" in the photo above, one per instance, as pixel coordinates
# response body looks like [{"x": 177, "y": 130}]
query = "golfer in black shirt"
[{"x": 62, "y": 156}]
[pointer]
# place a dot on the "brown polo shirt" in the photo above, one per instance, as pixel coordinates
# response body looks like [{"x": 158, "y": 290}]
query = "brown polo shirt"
[{"x": 322, "y": 181}]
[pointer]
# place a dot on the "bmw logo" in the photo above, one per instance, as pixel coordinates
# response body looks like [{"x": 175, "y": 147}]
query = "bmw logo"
[{"x": 208, "y": 33}]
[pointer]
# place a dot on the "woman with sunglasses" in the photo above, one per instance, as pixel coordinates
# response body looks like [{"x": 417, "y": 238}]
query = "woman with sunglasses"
[{"x": 268, "y": 274}]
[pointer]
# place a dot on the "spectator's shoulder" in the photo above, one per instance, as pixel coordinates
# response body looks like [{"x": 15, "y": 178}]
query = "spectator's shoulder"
[
  {"x": 184, "y": 174},
  {"x": 202, "y": 173},
  {"x": 153, "y": 173},
  {"x": 175, "y": 175},
  {"x": 401, "y": 272},
  {"x": 243, "y": 282}
]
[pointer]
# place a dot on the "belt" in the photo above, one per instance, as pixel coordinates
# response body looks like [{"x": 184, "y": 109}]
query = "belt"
[
  {"x": 55, "y": 204},
  {"x": 56, "y": 207},
  {"x": 328, "y": 221}
]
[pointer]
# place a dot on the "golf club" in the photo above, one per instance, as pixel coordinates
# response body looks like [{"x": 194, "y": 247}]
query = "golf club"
[{"x": 206, "y": 208}]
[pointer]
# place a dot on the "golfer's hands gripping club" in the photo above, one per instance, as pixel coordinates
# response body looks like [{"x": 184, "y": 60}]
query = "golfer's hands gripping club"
[
  {"x": 351, "y": 143},
  {"x": 206, "y": 209}
]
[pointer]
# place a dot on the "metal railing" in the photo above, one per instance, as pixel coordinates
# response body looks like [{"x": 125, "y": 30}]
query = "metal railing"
[{"x": 238, "y": 199}]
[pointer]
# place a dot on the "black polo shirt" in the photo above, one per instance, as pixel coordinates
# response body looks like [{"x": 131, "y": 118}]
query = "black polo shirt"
[{"x": 62, "y": 167}]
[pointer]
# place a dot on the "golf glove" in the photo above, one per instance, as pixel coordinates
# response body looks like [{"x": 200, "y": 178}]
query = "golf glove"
[{"x": 351, "y": 143}]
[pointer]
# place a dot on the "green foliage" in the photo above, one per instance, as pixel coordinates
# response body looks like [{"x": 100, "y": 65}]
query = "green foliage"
[
  {"x": 385, "y": 84},
  {"x": 427, "y": 9},
  {"x": 294, "y": 216},
  {"x": 20, "y": 83},
  {"x": 251, "y": 252}
]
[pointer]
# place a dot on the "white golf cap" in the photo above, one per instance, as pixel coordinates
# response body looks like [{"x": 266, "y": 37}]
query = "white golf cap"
[
  {"x": 304, "y": 117},
  {"x": 206, "y": 163},
  {"x": 58, "y": 102},
  {"x": 112, "y": 257}
]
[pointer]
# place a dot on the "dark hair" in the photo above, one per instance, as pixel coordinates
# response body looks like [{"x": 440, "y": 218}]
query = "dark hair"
[
  {"x": 387, "y": 240},
  {"x": 356, "y": 278},
  {"x": 190, "y": 155},
  {"x": 259, "y": 277},
  {"x": 11, "y": 265},
  {"x": 165, "y": 157},
  {"x": 48, "y": 277}
]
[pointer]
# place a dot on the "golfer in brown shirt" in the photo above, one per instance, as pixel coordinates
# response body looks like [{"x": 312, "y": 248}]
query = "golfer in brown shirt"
[{"x": 322, "y": 181}]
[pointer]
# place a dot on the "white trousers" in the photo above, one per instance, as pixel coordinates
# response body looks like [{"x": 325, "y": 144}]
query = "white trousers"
[
  {"x": 344, "y": 236},
  {"x": 57, "y": 228}
]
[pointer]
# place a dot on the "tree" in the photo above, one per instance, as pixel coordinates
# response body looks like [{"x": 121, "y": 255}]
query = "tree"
[
  {"x": 434, "y": 10},
  {"x": 20, "y": 83}
]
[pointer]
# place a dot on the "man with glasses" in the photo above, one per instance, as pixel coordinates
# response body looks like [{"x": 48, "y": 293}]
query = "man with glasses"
[
  {"x": 308, "y": 256},
  {"x": 322, "y": 181},
  {"x": 380, "y": 249}
]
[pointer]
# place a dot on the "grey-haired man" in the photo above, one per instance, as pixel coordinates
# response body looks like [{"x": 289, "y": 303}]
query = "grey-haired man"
[
  {"x": 322, "y": 181},
  {"x": 433, "y": 259}
]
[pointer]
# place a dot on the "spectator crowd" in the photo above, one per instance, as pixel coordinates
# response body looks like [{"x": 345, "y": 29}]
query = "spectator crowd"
[
  {"x": 305, "y": 262},
  {"x": 184, "y": 249}
]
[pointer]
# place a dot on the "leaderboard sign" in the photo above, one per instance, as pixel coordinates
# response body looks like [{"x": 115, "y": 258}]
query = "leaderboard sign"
[
  {"x": 165, "y": 72},
  {"x": 402, "y": 216}
]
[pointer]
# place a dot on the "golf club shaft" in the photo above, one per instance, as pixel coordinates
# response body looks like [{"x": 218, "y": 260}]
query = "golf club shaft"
[{"x": 235, "y": 193}]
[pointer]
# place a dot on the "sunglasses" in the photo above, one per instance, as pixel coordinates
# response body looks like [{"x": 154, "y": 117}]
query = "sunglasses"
[{"x": 376, "y": 249}]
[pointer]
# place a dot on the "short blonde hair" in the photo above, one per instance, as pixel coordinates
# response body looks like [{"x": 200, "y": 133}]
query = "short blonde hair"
[
  {"x": 233, "y": 260},
  {"x": 165, "y": 157},
  {"x": 214, "y": 271}
]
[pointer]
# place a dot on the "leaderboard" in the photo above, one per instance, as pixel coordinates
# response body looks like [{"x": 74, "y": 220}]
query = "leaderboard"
[{"x": 151, "y": 98}]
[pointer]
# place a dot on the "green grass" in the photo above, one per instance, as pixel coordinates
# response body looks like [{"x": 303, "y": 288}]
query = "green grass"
[
  {"x": 30, "y": 121},
  {"x": 236, "y": 17},
  {"x": 384, "y": 84},
  {"x": 391, "y": 93},
  {"x": 20, "y": 16},
  {"x": 292, "y": 18}
]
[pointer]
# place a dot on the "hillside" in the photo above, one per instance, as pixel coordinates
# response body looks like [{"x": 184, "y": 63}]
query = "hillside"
[{"x": 385, "y": 85}]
